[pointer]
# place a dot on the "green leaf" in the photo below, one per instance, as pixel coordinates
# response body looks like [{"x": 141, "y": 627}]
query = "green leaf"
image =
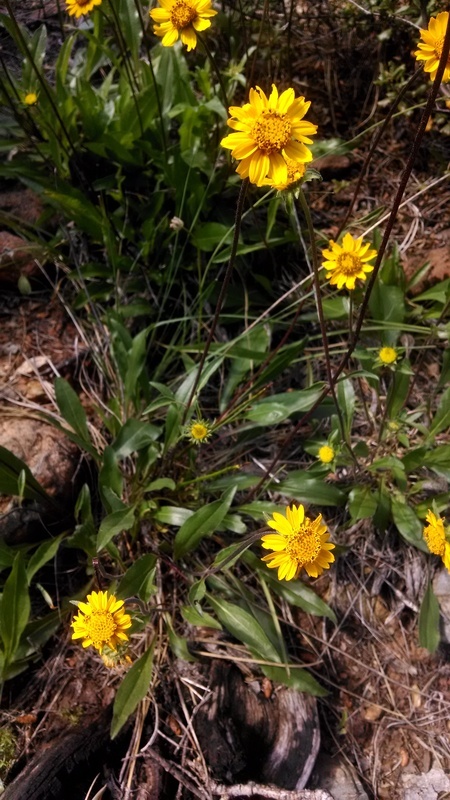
[
  {"x": 244, "y": 627},
  {"x": 296, "y": 678},
  {"x": 199, "y": 618},
  {"x": 113, "y": 524},
  {"x": 438, "y": 459},
  {"x": 139, "y": 579},
  {"x": 407, "y": 522},
  {"x": 256, "y": 342},
  {"x": 71, "y": 409},
  {"x": 136, "y": 364},
  {"x": 301, "y": 487},
  {"x": 346, "y": 402},
  {"x": 441, "y": 419},
  {"x": 172, "y": 428},
  {"x": 45, "y": 552},
  {"x": 387, "y": 305},
  {"x": 132, "y": 690},
  {"x": 398, "y": 393},
  {"x": 203, "y": 522},
  {"x": 207, "y": 236},
  {"x": 440, "y": 292},
  {"x": 429, "y": 635},
  {"x": 161, "y": 483},
  {"x": 172, "y": 515},
  {"x": 15, "y": 608},
  {"x": 197, "y": 591},
  {"x": 178, "y": 644},
  {"x": 110, "y": 478},
  {"x": 229, "y": 555},
  {"x": 75, "y": 205},
  {"x": 279, "y": 407},
  {"x": 11, "y": 469},
  {"x": 7, "y": 555},
  {"x": 133, "y": 436},
  {"x": 362, "y": 503},
  {"x": 295, "y": 593}
]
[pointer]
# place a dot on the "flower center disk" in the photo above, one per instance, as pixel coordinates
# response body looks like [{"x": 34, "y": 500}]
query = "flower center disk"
[
  {"x": 349, "y": 263},
  {"x": 182, "y": 15},
  {"x": 304, "y": 545},
  {"x": 272, "y": 131},
  {"x": 101, "y": 626}
]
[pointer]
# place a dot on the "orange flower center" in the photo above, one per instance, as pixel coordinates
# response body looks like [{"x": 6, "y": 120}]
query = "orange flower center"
[
  {"x": 349, "y": 263},
  {"x": 438, "y": 46},
  {"x": 83, "y": 2},
  {"x": 305, "y": 544},
  {"x": 272, "y": 131},
  {"x": 435, "y": 538},
  {"x": 295, "y": 171},
  {"x": 182, "y": 14},
  {"x": 199, "y": 431},
  {"x": 100, "y": 626},
  {"x": 388, "y": 355}
]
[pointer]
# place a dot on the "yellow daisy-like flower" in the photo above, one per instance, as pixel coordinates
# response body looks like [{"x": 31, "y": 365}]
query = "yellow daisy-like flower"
[
  {"x": 434, "y": 535},
  {"x": 198, "y": 431},
  {"x": 430, "y": 48},
  {"x": 180, "y": 19},
  {"x": 387, "y": 355},
  {"x": 30, "y": 99},
  {"x": 101, "y": 621},
  {"x": 269, "y": 132},
  {"x": 295, "y": 173},
  {"x": 348, "y": 261},
  {"x": 76, "y": 8},
  {"x": 326, "y": 454},
  {"x": 298, "y": 542}
]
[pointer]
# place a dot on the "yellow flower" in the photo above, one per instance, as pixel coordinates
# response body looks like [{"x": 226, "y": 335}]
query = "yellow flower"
[
  {"x": 348, "y": 261},
  {"x": 198, "y": 431},
  {"x": 181, "y": 19},
  {"x": 101, "y": 621},
  {"x": 295, "y": 173},
  {"x": 387, "y": 355},
  {"x": 30, "y": 99},
  {"x": 430, "y": 49},
  {"x": 298, "y": 542},
  {"x": 269, "y": 132},
  {"x": 76, "y": 8},
  {"x": 326, "y": 454},
  {"x": 434, "y": 535}
]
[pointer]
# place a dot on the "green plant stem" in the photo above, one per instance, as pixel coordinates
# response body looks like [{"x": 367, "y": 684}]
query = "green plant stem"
[
  {"x": 223, "y": 291},
  {"x": 155, "y": 84},
  {"x": 224, "y": 417},
  {"x": 132, "y": 81},
  {"x": 319, "y": 306},
  {"x": 215, "y": 68},
  {"x": 385, "y": 411},
  {"x": 41, "y": 80},
  {"x": 388, "y": 230}
]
